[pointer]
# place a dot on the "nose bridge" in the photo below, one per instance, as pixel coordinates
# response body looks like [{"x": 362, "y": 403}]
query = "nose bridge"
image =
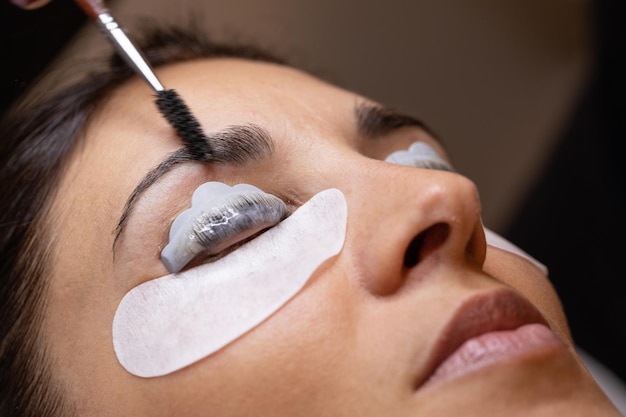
[{"x": 410, "y": 216}]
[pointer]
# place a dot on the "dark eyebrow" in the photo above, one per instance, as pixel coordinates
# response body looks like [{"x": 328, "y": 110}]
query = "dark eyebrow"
[
  {"x": 375, "y": 120},
  {"x": 233, "y": 145}
]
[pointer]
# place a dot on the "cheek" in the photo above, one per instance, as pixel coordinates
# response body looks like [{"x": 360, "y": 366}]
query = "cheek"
[
  {"x": 297, "y": 363},
  {"x": 529, "y": 280}
]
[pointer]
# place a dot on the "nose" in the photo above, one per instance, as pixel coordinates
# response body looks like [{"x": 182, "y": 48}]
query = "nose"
[{"x": 405, "y": 217}]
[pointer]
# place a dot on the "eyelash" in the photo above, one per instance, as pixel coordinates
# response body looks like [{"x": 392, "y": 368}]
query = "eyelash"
[{"x": 221, "y": 228}]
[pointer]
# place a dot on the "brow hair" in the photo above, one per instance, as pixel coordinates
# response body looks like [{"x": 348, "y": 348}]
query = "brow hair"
[
  {"x": 375, "y": 120},
  {"x": 36, "y": 144},
  {"x": 234, "y": 145}
]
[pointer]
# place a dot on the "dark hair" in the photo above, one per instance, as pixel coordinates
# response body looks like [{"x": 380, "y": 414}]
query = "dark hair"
[{"x": 36, "y": 143}]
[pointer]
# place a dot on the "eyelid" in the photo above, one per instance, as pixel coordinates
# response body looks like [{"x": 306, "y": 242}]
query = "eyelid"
[
  {"x": 220, "y": 216},
  {"x": 420, "y": 155}
]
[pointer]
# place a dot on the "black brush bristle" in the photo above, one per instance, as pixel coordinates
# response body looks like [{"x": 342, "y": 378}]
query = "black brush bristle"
[{"x": 174, "y": 109}]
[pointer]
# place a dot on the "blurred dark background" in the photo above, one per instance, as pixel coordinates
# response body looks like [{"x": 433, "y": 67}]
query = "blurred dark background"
[
  {"x": 574, "y": 219},
  {"x": 30, "y": 40},
  {"x": 570, "y": 215}
]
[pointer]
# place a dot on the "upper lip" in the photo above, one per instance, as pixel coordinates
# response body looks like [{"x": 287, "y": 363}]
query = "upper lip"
[{"x": 480, "y": 314}]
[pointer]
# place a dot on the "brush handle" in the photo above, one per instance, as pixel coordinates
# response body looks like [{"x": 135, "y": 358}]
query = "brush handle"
[{"x": 97, "y": 11}]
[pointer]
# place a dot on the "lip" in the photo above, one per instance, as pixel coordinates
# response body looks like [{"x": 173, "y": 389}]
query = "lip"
[{"x": 501, "y": 317}]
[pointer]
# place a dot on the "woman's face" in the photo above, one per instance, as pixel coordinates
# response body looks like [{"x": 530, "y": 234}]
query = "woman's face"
[{"x": 374, "y": 328}]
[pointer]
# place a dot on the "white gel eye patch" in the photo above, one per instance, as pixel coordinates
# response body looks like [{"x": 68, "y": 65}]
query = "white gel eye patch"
[
  {"x": 168, "y": 323},
  {"x": 498, "y": 241},
  {"x": 419, "y": 155}
]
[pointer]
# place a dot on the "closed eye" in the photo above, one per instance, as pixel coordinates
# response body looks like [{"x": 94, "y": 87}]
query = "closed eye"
[
  {"x": 420, "y": 155},
  {"x": 219, "y": 220},
  {"x": 381, "y": 129}
]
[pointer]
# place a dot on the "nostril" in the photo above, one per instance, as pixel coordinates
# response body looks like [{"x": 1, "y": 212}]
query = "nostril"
[
  {"x": 411, "y": 257},
  {"x": 425, "y": 243}
]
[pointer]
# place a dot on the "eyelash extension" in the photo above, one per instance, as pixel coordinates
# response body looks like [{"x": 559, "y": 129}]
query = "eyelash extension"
[
  {"x": 233, "y": 219},
  {"x": 241, "y": 214}
]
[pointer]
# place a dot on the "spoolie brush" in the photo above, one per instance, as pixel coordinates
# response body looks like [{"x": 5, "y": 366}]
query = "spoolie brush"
[{"x": 170, "y": 104}]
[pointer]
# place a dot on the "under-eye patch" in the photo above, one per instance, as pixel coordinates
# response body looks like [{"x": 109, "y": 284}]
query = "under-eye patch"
[
  {"x": 171, "y": 322},
  {"x": 420, "y": 155}
]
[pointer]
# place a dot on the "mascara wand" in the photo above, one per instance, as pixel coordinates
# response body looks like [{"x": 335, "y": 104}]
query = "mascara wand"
[{"x": 170, "y": 104}]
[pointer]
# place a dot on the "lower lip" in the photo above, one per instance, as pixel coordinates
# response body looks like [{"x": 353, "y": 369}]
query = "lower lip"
[{"x": 492, "y": 348}]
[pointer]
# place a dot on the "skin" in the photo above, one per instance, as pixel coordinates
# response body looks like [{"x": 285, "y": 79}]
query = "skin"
[{"x": 359, "y": 335}]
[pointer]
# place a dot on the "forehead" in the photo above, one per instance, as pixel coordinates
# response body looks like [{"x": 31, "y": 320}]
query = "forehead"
[
  {"x": 220, "y": 93},
  {"x": 227, "y": 91},
  {"x": 128, "y": 136}
]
